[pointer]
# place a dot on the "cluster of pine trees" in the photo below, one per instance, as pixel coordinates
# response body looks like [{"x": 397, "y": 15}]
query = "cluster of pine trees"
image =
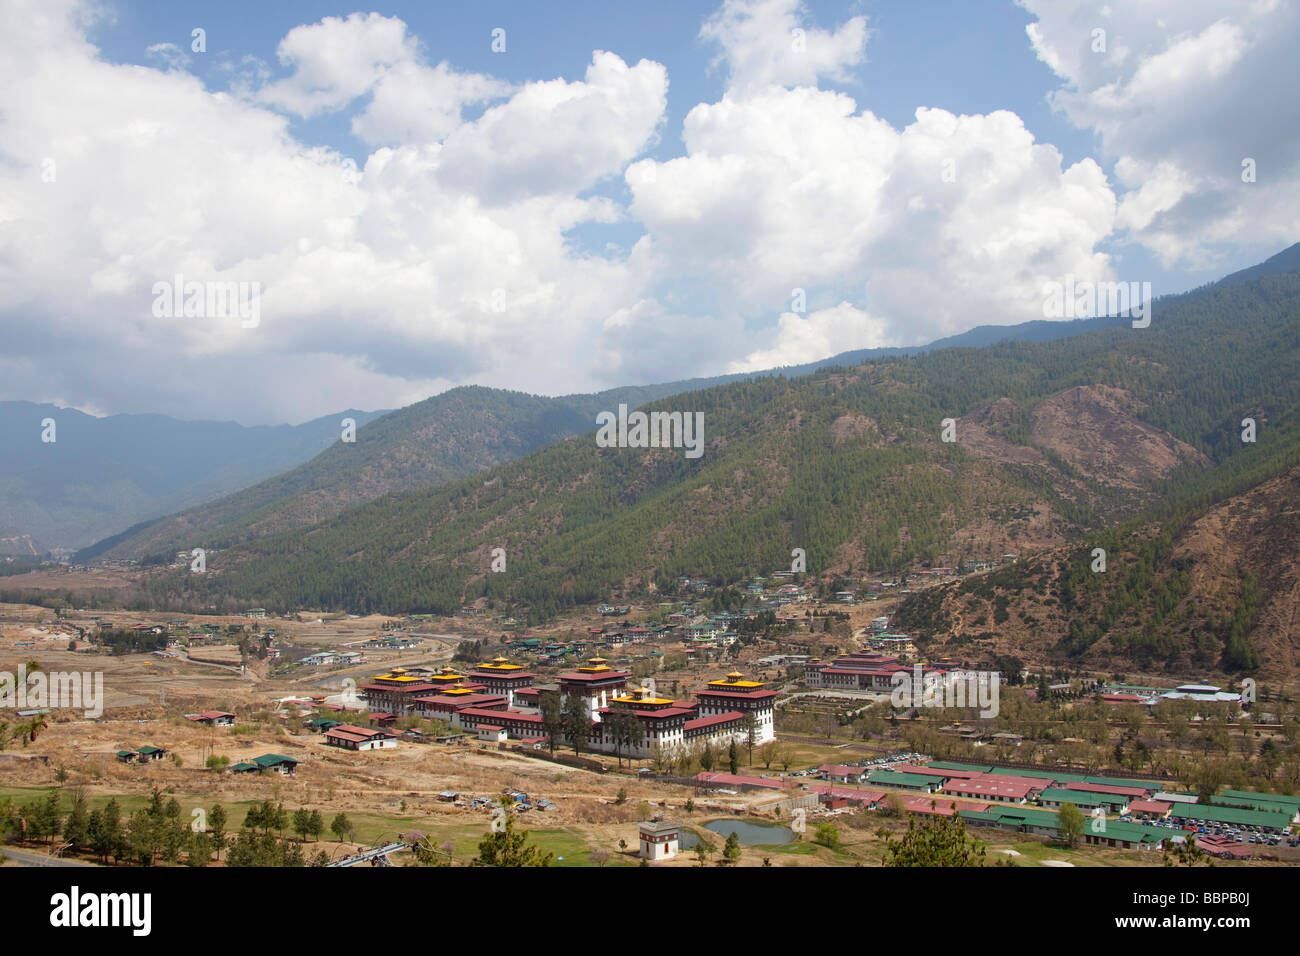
[{"x": 162, "y": 833}]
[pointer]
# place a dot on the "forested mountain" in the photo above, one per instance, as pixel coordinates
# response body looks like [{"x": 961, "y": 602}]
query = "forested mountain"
[
  {"x": 449, "y": 436},
  {"x": 1055, "y": 441},
  {"x": 99, "y": 475}
]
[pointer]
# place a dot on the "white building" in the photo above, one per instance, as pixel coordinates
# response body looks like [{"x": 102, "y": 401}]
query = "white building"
[
  {"x": 735, "y": 694},
  {"x": 1202, "y": 692},
  {"x": 351, "y": 737},
  {"x": 660, "y": 840}
]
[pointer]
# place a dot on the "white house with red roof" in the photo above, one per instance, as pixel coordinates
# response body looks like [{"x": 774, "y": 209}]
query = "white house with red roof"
[
  {"x": 213, "y": 718},
  {"x": 351, "y": 737}
]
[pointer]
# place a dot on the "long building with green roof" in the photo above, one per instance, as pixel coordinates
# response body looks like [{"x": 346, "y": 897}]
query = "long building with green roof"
[
  {"x": 1116, "y": 833},
  {"x": 1273, "y": 820},
  {"x": 1084, "y": 800},
  {"x": 1260, "y": 801},
  {"x": 905, "y": 781}
]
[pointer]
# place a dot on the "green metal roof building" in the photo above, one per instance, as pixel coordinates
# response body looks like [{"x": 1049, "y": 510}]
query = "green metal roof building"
[
  {"x": 1116, "y": 833},
  {"x": 1080, "y": 798},
  {"x": 1211, "y": 813},
  {"x": 954, "y": 765},
  {"x": 1124, "y": 782},
  {"x": 274, "y": 761},
  {"x": 1134, "y": 833},
  {"x": 1047, "y": 773},
  {"x": 905, "y": 781},
  {"x": 1258, "y": 801}
]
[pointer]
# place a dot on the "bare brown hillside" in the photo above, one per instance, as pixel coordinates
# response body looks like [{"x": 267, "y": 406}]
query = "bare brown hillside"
[
  {"x": 1095, "y": 430},
  {"x": 1247, "y": 544}
]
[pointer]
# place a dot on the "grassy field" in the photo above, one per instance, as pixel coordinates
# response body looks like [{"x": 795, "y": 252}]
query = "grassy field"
[{"x": 573, "y": 845}]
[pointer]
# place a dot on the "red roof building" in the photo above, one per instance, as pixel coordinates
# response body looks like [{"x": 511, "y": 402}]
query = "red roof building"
[
  {"x": 942, "y": 806},
  {"x": 514, "y": 722},
  {"x": 213, "y": 718},
  {"x": 1149, "y": 808},
  {"x": 854, "y": 795},
  {"x": 501, "y": 677},
  {"x": 596, "y": 683},
  {"x": 998, "y": 789},
  {"x": 733, "y": 722},
  {"x": 739, "y": 780},
  {"x": 447, "y": 706},
  {"x": 734, "y": 693},
  {"x": 352, "y": 737},
  {"x": 1223, "y": 847}
]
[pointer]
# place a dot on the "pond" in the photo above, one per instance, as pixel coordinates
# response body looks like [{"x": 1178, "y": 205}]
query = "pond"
[{"x": 747, "y": 832}]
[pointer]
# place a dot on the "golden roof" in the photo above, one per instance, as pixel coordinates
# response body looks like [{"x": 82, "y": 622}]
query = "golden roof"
[{"x": 638, "y": 699}]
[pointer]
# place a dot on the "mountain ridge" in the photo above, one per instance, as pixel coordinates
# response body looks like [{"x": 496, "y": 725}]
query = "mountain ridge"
[
  {"x": 848, "y": 464},
  {"x": 101, "y": 473},
  {"x": 298, "y": 497}
]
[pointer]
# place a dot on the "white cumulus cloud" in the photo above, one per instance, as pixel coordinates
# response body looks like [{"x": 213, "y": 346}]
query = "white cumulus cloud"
[
  {"x": 1185, "y": 96},
  {"x": 769, "y": 42}
]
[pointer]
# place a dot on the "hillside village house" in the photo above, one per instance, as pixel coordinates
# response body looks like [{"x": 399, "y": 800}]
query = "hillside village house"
[
  {"x": 351, "y": 737},
  {"x": 213, "y": 718},
  {"x": 391, "y": 642},
  {"x": 489, "y": 733},
  {"x": 277, "y": 762}
]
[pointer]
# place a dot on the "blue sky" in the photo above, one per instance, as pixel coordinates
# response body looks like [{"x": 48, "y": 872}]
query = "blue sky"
[
  {"x": 964, "y": 57},
  {"x": 550, "y": 219},
  {"x": 960, "y": 56}
]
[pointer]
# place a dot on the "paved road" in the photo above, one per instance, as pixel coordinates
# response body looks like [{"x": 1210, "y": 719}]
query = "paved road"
[{"x": 28, "y": 858}]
